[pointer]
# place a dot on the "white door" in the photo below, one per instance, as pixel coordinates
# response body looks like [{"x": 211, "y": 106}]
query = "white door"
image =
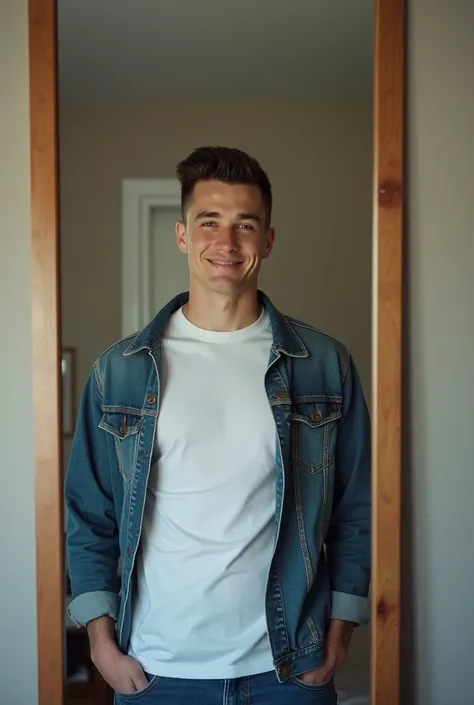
[{"x": 169, "y": 267}]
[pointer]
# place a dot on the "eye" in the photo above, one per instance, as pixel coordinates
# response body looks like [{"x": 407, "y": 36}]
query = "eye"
[
  {"x": 245, "y": 226},
  {"x": 209, "y": 224}
]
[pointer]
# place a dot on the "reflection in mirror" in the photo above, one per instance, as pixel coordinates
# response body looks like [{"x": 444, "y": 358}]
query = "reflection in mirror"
[{"x": 218, "y": 484}]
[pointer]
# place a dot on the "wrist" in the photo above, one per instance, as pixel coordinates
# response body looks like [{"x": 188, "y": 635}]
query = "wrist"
[
  {"x": 340, "y": 627},
  {"x": 103, "y": 651},
  {"x": 338, "y": 639},
  {"x": 101, "y": 633}
]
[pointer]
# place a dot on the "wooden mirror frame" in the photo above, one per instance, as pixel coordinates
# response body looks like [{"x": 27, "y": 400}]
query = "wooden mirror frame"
[{"x": 386, "y": 363}]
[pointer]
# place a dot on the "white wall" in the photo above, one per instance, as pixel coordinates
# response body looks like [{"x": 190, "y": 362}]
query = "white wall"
[
  {"x": 438, "y": 518},
  {"x": 18, "y": 661}
]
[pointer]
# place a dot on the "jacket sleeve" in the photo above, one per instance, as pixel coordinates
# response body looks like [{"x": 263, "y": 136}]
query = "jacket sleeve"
[
  {"x": 348, "y": 543},
  {"x": 92, "y": 531}
]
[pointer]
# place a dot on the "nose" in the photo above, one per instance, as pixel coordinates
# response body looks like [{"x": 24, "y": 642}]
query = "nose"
[{"x": 227, "y": 239}]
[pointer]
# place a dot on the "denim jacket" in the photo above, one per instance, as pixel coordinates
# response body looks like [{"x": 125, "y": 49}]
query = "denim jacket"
[{"x": 320, "y": 568}]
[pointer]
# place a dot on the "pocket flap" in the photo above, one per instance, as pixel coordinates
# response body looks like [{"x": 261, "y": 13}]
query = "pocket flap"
[
  {"x": 316, "y": 413},
  {"x": 121, "y": 425}
]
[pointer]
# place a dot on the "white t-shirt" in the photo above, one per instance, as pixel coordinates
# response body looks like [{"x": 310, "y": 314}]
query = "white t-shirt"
[{"x": 208, "y": 526}]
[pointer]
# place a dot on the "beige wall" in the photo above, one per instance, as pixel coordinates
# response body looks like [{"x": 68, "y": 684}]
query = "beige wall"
[
  {"x": 319, "y": 159},
  {"x": 18, "y": 661},
  {"x": 438, "y": 517}
]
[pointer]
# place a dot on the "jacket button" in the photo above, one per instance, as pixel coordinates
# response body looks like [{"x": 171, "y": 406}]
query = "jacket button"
[
  {"x": 151, "y": 399},
  {"x": 128, "y": 551},
  {"x": 316, "y": 416}
]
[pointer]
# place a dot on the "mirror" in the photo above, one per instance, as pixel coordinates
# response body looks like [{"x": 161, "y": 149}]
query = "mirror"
[{"x": 140, "y": 87}]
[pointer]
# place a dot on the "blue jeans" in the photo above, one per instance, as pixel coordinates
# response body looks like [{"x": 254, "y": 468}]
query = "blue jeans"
[{"x": 263, "y": 689}]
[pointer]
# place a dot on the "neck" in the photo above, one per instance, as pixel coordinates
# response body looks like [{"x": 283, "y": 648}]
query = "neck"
[{"x": 220, "y": 313}]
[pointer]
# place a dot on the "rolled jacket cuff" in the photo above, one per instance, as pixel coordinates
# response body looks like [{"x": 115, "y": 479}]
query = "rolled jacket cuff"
[
  {"x": 91, "y": 605},
  {"x": 350, "y": 608}
]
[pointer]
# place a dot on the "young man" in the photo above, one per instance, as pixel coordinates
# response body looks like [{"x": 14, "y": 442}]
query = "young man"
[{"x": 223, "y": 455}]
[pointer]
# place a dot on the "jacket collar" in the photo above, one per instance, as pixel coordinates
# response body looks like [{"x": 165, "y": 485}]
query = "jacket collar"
[{"x": 285, "y": 338}]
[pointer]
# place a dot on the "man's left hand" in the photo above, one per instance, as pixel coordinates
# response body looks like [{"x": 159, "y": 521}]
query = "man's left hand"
[{"x": 338, "y": 639}]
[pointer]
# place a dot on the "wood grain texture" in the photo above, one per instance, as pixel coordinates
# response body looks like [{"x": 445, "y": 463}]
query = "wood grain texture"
[
  {"x": 387, "y": 352},
  {"x": 46, "y": 351}
]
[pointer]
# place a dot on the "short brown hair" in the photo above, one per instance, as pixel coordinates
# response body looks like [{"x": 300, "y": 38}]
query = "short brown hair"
[{"x": 227, "y": 164}]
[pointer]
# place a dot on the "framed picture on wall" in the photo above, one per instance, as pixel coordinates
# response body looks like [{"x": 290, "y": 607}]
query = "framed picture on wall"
[{"x": 68, "y": 379}]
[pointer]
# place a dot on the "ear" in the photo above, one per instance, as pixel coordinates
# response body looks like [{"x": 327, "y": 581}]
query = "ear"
[
  {"x": 270, "y": 235},
  {"x": 181, "y": 239}
]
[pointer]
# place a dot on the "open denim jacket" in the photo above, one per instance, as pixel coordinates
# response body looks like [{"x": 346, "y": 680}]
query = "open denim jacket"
[{"x": 321, "y": 563}]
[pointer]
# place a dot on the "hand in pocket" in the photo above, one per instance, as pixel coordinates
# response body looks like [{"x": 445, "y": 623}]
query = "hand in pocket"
[{"x": 122, "y": 673}]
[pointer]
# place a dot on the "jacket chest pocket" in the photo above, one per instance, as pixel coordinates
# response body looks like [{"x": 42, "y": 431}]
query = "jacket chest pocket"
[
  {"x": 124, "y": 430},
  {"x": 314, "y": 432}
]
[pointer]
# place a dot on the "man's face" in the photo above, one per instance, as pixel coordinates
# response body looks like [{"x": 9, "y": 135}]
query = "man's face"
[{"x": 225, "y": 236}]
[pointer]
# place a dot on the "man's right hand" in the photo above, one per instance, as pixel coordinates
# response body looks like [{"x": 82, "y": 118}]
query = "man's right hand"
[{"x": 122, "y": 673}]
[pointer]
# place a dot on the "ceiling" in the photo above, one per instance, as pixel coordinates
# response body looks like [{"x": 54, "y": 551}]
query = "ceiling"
[{"x": 214, "y": 49}]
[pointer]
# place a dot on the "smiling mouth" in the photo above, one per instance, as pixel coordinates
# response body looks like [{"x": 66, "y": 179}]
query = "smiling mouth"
[{"x": 223, "y": 263}]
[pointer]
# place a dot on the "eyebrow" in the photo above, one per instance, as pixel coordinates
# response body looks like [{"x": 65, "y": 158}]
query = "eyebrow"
[
  {"x": 208, "y": 214},
  {"x": 216, "y": 214},
  {"x": 249, "y": 216}
]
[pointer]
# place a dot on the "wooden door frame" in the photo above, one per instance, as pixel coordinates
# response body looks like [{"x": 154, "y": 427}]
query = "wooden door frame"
[{"x": 387, "y": 355}]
